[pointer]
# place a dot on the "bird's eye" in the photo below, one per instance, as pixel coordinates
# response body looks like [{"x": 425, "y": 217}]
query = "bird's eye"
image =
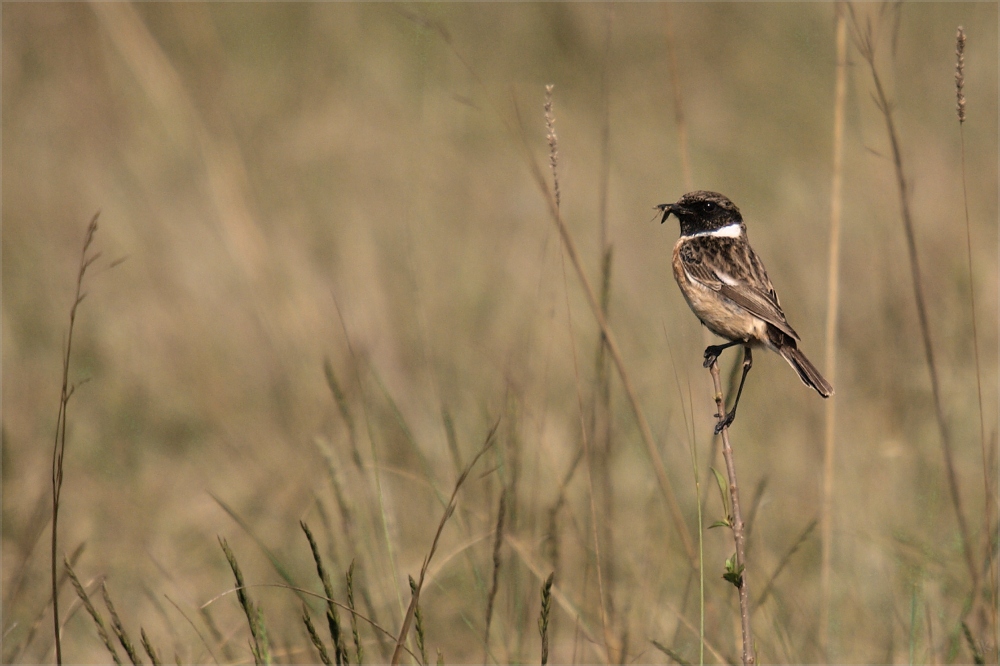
[{"x": 708, "y": 205}]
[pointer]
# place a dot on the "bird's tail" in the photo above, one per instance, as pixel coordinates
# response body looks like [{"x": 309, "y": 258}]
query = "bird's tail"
[{"x": 807, "y": 371}]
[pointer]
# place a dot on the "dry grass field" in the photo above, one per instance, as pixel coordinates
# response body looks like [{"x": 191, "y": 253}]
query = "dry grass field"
[{"x": 339, "y": 272}]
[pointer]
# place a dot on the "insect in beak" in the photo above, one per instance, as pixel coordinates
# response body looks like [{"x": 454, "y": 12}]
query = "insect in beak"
[{"x": 667, "y": 209}]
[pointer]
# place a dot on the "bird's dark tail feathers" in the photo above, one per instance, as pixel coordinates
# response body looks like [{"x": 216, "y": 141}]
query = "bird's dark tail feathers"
[{"x": 807, "y": 371}]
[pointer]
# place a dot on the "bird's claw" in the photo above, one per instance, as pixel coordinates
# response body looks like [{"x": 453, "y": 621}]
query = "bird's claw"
[
  {"x": 725, "y": 423},
  {"x": 711, "y": 356}
]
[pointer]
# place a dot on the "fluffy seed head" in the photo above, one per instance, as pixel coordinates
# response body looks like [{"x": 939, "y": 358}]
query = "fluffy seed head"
[{"x": 960, "y": 73}]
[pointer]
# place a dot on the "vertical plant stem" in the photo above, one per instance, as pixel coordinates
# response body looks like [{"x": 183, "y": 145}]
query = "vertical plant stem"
[
  {"x": 601, "y": 410},
  {"x": 866, "y": 45},
  {"x": 381, "y": 518},
  {"x": 59, "y": 447},
  {"x": 609, "y": 642},
  {"x": 118, "y": 628},
  {"x": 832, "y": 316},
  {"x": 701, "y": 554},
  {"x": 737, "y": 522},
  {"x": 147, "y": 645},
  {"x": 491, "y": 597},
  {"x": 931, "y": 650},
  {"x": 588, "y": 452},
  {"x": 913, "y": 623},
  {"x": 332, "y": 617},
  {"x": 605, "y": 165},
  {"x": 449, "y": 510},
  {"x": 988, "y": 520},
  {"x": 645, "y": 431},
  {"x": 358, "y": 650},
  {"x": 693, "y": 442}
]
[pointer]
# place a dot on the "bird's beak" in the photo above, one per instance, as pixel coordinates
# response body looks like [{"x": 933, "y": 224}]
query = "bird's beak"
[{"x": 667, "y": 209}]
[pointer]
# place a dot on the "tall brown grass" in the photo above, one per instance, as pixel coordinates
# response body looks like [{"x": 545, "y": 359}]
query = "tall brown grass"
[
  {"x": 87, "y": 258},
  {"x": 832, "y": 320},
  {"x": 343, "y": 267}
]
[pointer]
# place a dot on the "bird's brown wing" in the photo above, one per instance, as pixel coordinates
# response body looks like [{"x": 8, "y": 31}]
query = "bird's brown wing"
[{"x": 731, "y": 268}]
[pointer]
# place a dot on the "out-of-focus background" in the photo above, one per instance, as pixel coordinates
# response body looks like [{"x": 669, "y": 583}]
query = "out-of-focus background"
[{"x": 296, "y": 184}]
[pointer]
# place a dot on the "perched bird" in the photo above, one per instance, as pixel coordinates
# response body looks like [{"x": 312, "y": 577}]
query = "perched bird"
[{"x": 726, "y": 285}]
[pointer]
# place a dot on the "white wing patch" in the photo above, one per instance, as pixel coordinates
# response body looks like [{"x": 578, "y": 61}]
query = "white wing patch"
[{"x": 726, "y": 278}]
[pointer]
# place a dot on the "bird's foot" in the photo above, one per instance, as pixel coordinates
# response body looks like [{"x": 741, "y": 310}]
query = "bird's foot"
[
  {"x": 712, "y": 354},
  {"x": 725, "y": 423}
]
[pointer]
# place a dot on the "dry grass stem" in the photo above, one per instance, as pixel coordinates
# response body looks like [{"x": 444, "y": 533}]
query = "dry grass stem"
[
  {"x": 739, "y": 572},
  {"x": 686, "y": 623},
  {"x": 380, "y": 510},
  {"x": 769, "y": 585},
  {"x": 988, "y": 493},
  {"x": 450, "y": 509},
  {"x": 119, "y": 628},
  {"x": 154, "y": 657},
  {"x": 931, "y": 649},
  {"x": 673, "y": 654},
  {"x": 543, "y": 616},
  {"x": 974, "y": 648},
  {"x": 314, "y": 636},
  {"x": 212, "y": 629},
  {"x": 59, "y": 447},
  {"x": 604, "y": 177},
  {"x": 609, "y": 641},
  {"x": 259, "y": 644},
  {"x": 102, "y": 629},
  {"x": 755, "y": 501},
  {"x": 494, "y": 586},
  {"x": 449, "y": 432},
  {"x": 583, "y": 628},
  {"x": 864, "y": 38},
  {"x": 601, "y": 414},
  {"x": 332, "y": 617},
  {"x": 39, "y": 520},
  {"x": 358, "y": 650},
  {"x": 691, "y": 433},
  {"x": 345, "y": 411},
  {"x": 647, "y": 434},
  {"x": 832, "y": 318},
  {"x": 418, "y": 620}
]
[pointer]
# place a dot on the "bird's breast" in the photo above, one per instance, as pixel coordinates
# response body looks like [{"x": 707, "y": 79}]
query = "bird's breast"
[{"x": 719, "y": 314}]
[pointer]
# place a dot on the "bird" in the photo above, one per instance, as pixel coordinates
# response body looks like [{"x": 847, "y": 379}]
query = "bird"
[{"x": 725, "y": 284}]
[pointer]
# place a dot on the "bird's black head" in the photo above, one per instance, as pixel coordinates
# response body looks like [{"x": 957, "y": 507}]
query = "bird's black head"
[{"x": 702, "y": 211}]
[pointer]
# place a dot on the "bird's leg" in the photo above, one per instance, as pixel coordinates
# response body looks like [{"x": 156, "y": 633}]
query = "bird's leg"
[
  {"x": 712, "y": 353},
  {"x": 747, "y": 364}
]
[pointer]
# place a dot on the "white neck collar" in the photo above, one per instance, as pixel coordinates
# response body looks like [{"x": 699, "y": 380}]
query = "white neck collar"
[{"x": 734, "y": 230}]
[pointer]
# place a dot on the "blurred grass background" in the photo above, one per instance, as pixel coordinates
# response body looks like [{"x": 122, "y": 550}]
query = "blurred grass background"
[{"x": 299, "y": 182}]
